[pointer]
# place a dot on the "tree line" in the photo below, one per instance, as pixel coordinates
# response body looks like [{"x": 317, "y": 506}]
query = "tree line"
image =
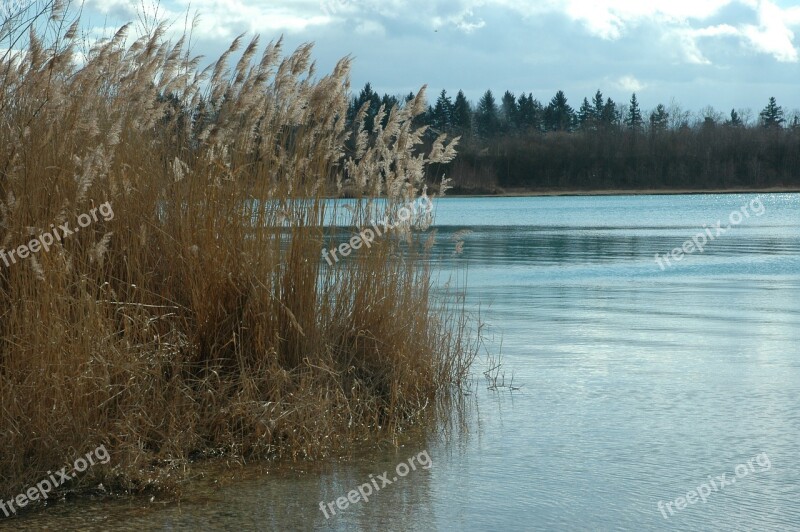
[{"x": 520, "y": 142}]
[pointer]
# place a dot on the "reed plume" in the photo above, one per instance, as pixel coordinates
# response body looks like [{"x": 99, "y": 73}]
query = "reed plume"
[{"x": 200, "y": 320}]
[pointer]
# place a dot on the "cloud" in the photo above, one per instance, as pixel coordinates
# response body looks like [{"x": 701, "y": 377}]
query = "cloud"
[
  {"x": 681, "y": 21},
  {"x": 370, "y": 27},
  {"x": 464, "y": 21},
  {"x": 609, "y": 19},
  {"x": 630, "y": 84},
  {"x": 684, "y": 23},
  {"x": 729, "y": 52},
  {"x": 773, "y": 35}
]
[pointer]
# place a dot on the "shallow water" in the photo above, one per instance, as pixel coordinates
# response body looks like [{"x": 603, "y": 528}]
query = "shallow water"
[{"x": 637, "y": 383}]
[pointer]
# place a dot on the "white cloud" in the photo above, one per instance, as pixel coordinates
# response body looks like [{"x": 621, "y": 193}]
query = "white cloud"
[
  {"x": 467, "y": 22},
  {"x": 464, "y": 20},
  {"x": 609, "y": 19},
  {"x": 772, "y": 35},
  {"x": 720, "y": 30},
  {"x": 226, "y": 18},
  {"x": 676, "y": 23},
  {"x": 687, "y": 40},
  {"x": 630, "y": 84},
  {"x": 678, "y": 20}
]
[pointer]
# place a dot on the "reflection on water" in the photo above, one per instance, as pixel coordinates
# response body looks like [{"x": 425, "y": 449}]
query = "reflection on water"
[{"x": 637, "y": 384}]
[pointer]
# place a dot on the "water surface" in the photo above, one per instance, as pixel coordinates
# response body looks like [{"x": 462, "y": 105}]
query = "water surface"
[{"x": 637, "y": 383}]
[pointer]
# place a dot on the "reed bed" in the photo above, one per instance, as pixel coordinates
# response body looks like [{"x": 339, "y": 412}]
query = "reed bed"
[{"x": 200, "y": 320}]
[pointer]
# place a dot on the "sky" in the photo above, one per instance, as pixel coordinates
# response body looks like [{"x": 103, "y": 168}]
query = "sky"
[{"x": 721, "y": 53}]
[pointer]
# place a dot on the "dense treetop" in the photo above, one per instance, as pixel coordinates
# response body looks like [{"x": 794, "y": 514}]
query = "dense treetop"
[
  {"x": 490, "y": 117},
  {"x": 515, "y": 140}
]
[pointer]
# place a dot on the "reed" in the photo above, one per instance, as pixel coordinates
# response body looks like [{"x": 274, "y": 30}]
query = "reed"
[{"x": 200, "y": 320}]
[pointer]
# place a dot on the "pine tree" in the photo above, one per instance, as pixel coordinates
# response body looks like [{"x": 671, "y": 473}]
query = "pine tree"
[
  {"x": 367, "y": 95},
  {"x": 508, "y": 107},
  {"x": 462, "y": 114},
  {"x": 529, "y": 113},
  {"x": 442, "y": 118},
  {"x": 486, "y": 116},
  {"x": 734, "y": 120},
  {"x": 389, "y": 102},
  {"x": 659, "y": 119},
  {"x": 586, "y": 115},
  {"x": 609, "y": 116},
  {"x": 634, "y": 118},
  {"x": 558, "y": 115},
  {"x": 772, "y": 115},
  {"x": 429, "y": 116},
  {"x": 598, "y": 104}
]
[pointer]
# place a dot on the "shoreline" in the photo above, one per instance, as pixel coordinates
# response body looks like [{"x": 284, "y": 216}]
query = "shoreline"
[{"x": 523, "y": 193}]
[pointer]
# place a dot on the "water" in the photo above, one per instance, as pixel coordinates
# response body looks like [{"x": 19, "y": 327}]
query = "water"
[{"x": 636, "y": 385}]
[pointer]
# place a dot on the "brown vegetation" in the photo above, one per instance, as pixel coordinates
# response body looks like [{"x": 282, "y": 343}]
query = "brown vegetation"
[{"x": 200, "y": 319}]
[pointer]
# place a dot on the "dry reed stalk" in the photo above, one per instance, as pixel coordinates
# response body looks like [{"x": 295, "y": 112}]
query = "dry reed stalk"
[{"x": 199, "y": 321}]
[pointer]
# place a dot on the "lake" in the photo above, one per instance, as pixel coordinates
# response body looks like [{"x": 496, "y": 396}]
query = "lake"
[{"x": 638, "y": 384}]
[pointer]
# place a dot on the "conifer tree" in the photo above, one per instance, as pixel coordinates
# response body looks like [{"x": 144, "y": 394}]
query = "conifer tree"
[
  {"x": 634, "y": 118},
  {"x": 598, "y": 104},
  {"x": 487, "y": 116},
  {"x": 559, "y": 116},
  {"x": 529, "y": 113},
  {"x": 442, "y": 118},
  {"x": 609, "y": 116},
  {"x": 772, "y": 115},
  {"x": 508, "y": 107},
  {"x": 659, "y": 119},
  {"x": 586, "y": 115},
  {"x": 734, "y": 120},
  {"x": 462, "y": 114}
]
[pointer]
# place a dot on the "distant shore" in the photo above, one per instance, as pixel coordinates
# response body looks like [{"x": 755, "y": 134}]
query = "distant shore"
[{"x": 511, "y": 193}]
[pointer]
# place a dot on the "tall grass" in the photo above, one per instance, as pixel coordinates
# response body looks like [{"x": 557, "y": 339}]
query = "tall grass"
[{"x": 201, "y": 320}]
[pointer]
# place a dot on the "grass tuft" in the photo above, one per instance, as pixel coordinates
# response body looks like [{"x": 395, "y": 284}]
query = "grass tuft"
[{"x": 200, "y": 320}]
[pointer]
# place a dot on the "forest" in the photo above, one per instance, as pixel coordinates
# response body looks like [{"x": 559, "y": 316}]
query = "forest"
[{"x": 520, "y": 143}]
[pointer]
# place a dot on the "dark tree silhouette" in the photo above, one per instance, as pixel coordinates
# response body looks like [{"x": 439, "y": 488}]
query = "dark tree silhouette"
[
  {"x": 486, "y": 116},
  {"x": 586, "y": 116},
  {"x": 597, "y": 102},
  {"x": 734, "y": 120},
  {"x": 366, "y": 96},
  {"x": 529, "y": 113},
  {"x": 443, "y": 112},
  {"x": 634, "y": 118},
  {"x": 659, "y": 119},
  {"x": 508, "y": 106},
  {"x": 462, "y": 115},
  {"x": 559, "y": 116},
  {"x": 520, "y": 143},
  {"x": 772, "y": 115},
  {"x": 609, "y": 117}
]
